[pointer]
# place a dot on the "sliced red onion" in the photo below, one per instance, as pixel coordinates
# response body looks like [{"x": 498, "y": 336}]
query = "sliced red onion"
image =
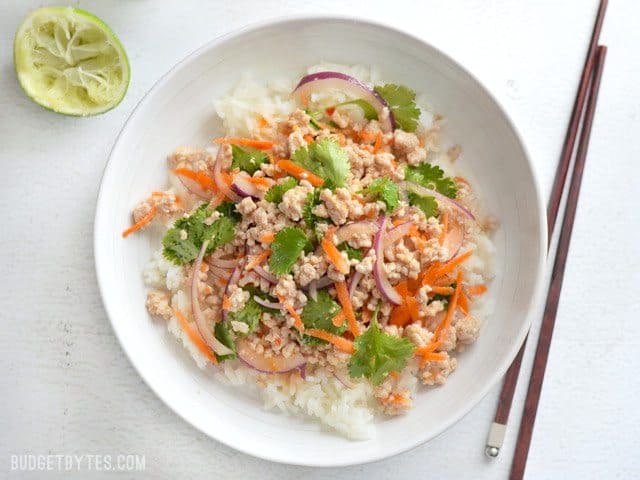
[
  {"x": 233, "y": 279},
  {"x": 351, "y": 86},
  {"x": 313, "y": 290},
  {"x": 267, "y": 303},
  {"x": 396, "y": 233},
  {"x": 223, "y": 263},
  {"x": 268, "y": 276},
  {"x": 322, "y": 282},
  {"x": 427, "y": 192},
  {"x": 217, "y": 177},
  {"x": 219, "y": 272},
  {"x": 194, "y": 187},
  {"x": 379, "y": 273},
  {"x": 244, "y": 187},
  {"x": 347, "y": 232},
  {"x": 343, "y": 379},
  {"x": 201, "y": 323},
  {"x": 453, "y": 239},
  {"x": 261, "y": 363},
  {"x": 353, "y": 284}
]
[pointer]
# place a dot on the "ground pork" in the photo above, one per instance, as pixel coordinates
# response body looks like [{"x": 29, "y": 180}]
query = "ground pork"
[
  {"x": 340, "y": 205},
  {"x": 294, "y": 199},
  {"x": 158, "y": 304},
  {"x": 436, "y": 372},
  {"x": 407, "y": 147},
  {"x": 189, "y": 157},
  {"x": 467, "y": 329}
]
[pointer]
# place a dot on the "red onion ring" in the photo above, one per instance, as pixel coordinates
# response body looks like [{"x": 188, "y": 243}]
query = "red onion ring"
[
  {"x": 313, "y": 290},
  {"x": 382, "y": 282},
  {"x": 453, "y": 239},
  {"x": 277, "y": 364},
  {"x": 352, "y": 86},
  {"x": 347, "y": 232},
  {"x": 223, "y": 263},
  {"x": 396, "y": 233},
  {"x": 343, "y": 379},
  {"x": 233, "y": 279},
  {"x": 201, "y": 323},
  {"x": 217, "y": 177},
  {"x": 268, "y": 276},
  {"x": 353, "y": 284},
  {"x": 243, "y": 187},
  {"x": 194, "y": 187},
  {"x": 267, "y": 303},
  {"x": 427, "y": 192}
]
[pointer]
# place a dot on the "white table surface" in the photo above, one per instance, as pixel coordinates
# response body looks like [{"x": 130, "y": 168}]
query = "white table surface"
[{"x": 66, "y": 386}]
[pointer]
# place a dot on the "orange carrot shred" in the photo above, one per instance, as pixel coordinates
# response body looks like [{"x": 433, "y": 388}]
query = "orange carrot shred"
[
  {"x": 338, "y": 320},
  {"x": 201, "y": 178},
  {"x": 141, "y": 223},
  {"x": 300, "y": 173},
  {"x": 267, "y": 237},
  {"x": 366, "y": 315},
  {"x": 297, "y": 321},
  {"x": 441, "y": 270},
  {"x": 308, "y": 138},
  {"x": 453, "y": 303},
  {"x": 260, "y": 181},
  {"x": 341, "y": 343},
  {"x": 413, "y": 307},
  {"x": 400, "y": 315},
  {"x": 378, "y": 143},
  {"x": 247, "y": 142},
  {"x": 477, "y": 290},
  {"x": 438, "y": 290},
  {"x": 463, "y": 303},
  {"x": 195, "y": 337},
  {"x": 343, "y": 297},
  {"x": 258, "y": 260},
  {"x": 332, "y": 252},
  {"x": 226, "y": 303},
  {"x": 262, "y": 122}
]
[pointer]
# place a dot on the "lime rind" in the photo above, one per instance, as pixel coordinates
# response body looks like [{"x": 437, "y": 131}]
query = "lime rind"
[{"x": 70, "y": 61}]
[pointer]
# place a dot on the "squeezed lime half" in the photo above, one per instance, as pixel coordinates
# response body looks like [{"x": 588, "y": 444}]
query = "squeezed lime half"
[{"x": 70, "y": 61}]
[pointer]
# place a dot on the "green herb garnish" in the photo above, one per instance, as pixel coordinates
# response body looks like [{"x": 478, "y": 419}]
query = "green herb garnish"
[
  {"x": 352, "y": 253},
  {"x": 319, "y": 314},
  {"x": 276, "y": 192},
  {"x": 182, "y": 243},
  {"x": 247, "y": 159},
  {"x": 369, "y": 112},
  {"x": 433, "y": 178},
  {"x": 228, "y": 209},
  {"x": 378, "y": 353},
  {"x": 223, "y": 333},
  {"x": 286, "y": 248},
  {"x": 385, "y": 190},
  {"x": 326, "y": 159},
  {"x": 402, "y": 104}
]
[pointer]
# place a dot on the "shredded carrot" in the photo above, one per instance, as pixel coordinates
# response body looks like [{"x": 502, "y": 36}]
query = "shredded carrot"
[
  {"x": 343, "y": 297},
  {"x": 378, "y": 143},
  {"x": 258, "y": 260},
  {"x": 308, "y": 138},
  {"x": 338, "y": 320},
  {"x": 221, "y": 281},
  {"x": 413, "y": 307},
  {"x": 201, "y": 178},
  {"x": 262, "y": 122},
  {"x": 297, "y": 321},
  {"x": 260, "y": 181},
  {"x": 463, "y": 303},
  {"x": 195, "y": 337},
  {"x": 141, "y": 223},
  {"x": 477, "y": 290},
  {"x": 453, "y": 303},
  {"x": 332, "y": 252},
  {"x": 400, "y": 315},
  {"x": 445, "y": 227},
  {"x": 364, "y": 135},
  {"x": 429, "y": 348},
  {"x": 226, "y": 303},
  {"x": 299, "y": 172},
  {"x": 368, "y": 148},
  {"x": 434, "y": 356},
  {"x": 402, "y": 288},
  {"x": 267, "y": 237},
  {"x": 247, "y": 142},
  {"x": 441, "y": 270},
  {"x": 341, "y": 343},
  {"x": 366, "y": 315},
  {"x": 441, "y": 290},
  {"x": 395, "y": 375}
]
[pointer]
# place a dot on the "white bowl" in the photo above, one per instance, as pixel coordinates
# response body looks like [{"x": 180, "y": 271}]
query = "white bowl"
[{"x": 179, "y": 110}]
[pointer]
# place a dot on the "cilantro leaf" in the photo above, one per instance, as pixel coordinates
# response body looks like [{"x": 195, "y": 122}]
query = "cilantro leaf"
[
  {"x": 369, "y": 112},
  {"x": 223, "y": 333},
  {"x": 249, "y": 314},
  {"x": 385, "y": 190},
  {"x": 352, "y": 253},
  {"x": 378, "y": 353},
  {"x": 181, "y": 250},
  {"x": 228, "y": 209},
  {"x": 247, "y": 159},
  {"x": 276, "y": 192},
  {"x": 319, "y": 314},
  {"x": 427, "y": 204},
  {"x": 431, "y": 176},
  {"x": 402, "y": 103},
  {"x": 286, "y": 247},
  {"x": 326, "y": 159},
  {"x": 313, "y": 199},
  {"x": 314, "y": 118}
]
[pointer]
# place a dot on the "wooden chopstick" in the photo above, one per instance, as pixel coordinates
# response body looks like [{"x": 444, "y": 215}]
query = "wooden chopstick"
[
  {"x": 498, "y": 427},
  {"x": 548, "y": 320}
]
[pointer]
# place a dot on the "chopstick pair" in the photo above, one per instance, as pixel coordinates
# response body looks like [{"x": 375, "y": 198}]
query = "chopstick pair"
[{"x": 591, "y": 75}]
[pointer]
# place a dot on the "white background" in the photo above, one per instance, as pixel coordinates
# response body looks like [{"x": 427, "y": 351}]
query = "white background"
[{"x": 66, "y": 386}]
